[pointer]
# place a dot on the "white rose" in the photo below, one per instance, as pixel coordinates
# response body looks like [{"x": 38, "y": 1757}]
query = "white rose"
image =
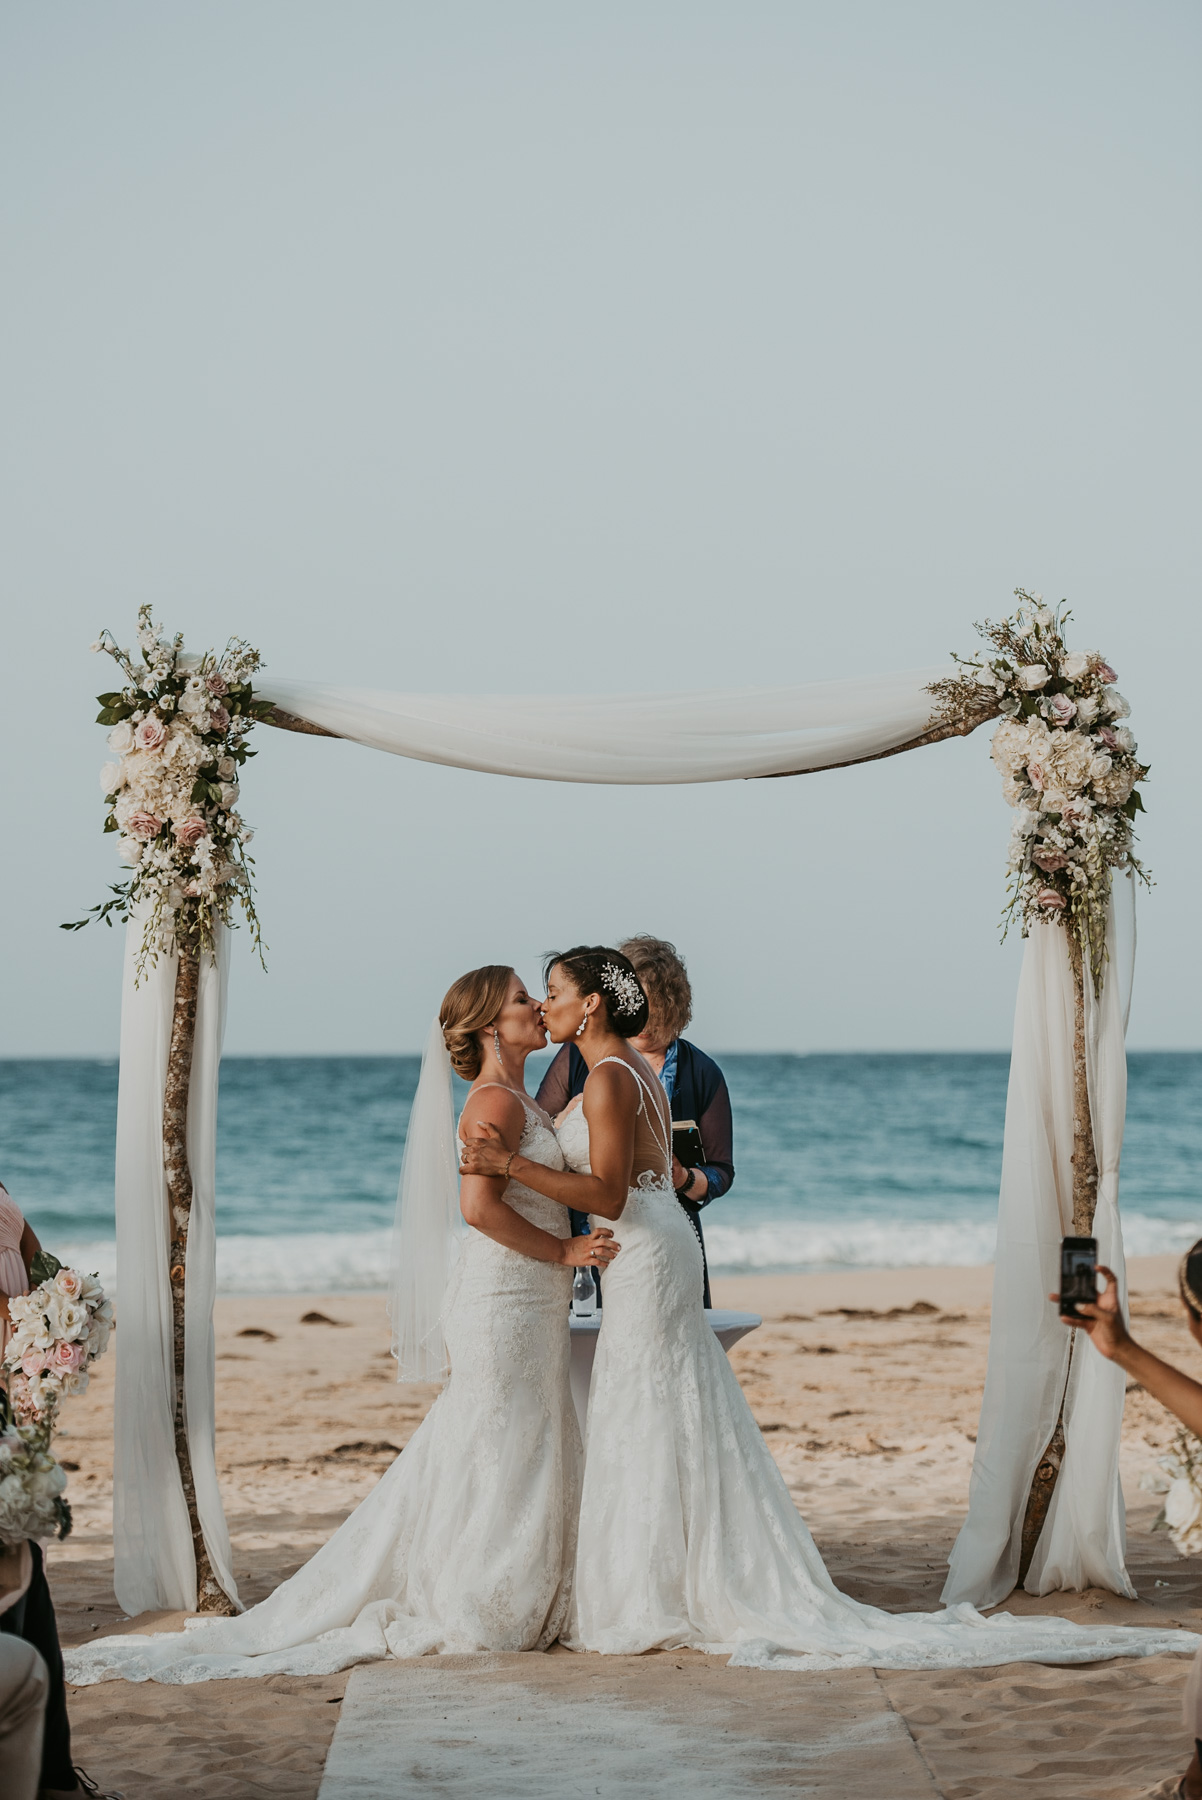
[
  {"x": 229, "y": 794},
  {"x": 1027, "y": 820},
  {"x": 227, "y": 768},
  {"x": 72, "y": 1319},
  {"x": 1033, "y": 676},
  {"x": 1087, "y": 709},
  {"x": 1125, "y": 738},
  {"x": 194, "y": 699},
  {"x": 130, "y": 851},
  {"x": 110, "y": 778},
  {"x": 1074, "y": 667},
  {"x": 1182, "y": 1507},
  {"x": 1116, "y": 706},
  {"x": 121, "y": 738}
]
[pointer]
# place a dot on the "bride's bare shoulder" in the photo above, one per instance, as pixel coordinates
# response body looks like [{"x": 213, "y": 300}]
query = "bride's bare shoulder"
[{"x": 493, "y": 1104}]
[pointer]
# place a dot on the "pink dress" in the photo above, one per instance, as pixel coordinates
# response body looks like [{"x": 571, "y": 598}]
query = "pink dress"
[{"x": 13, "y": 1279}]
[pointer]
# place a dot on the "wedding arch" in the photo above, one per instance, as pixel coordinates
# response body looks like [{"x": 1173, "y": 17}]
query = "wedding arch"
[{"x": 1045, "y": 1506}]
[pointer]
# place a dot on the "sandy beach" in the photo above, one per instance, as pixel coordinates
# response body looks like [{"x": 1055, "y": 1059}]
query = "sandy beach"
[{"x": 867, "y": 1387}]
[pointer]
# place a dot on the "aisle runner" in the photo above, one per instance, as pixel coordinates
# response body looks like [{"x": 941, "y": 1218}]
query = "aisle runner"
[{"x": 666, "y": 1727}]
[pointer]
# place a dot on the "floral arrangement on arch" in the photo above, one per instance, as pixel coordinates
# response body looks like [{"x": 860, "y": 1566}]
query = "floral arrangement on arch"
[
  {"x": 1068, "y": 764},
  {"x": 1178, "y": 1476},
  {"x": 178, "y": 743},
  {"x": 58, "y": 1331}
]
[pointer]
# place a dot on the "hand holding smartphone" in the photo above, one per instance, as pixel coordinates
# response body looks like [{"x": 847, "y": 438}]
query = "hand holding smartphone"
[{"x": 1078, "y": 1274}]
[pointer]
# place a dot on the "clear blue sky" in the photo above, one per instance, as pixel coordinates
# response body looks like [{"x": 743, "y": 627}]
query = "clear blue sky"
[{"x": 555, "y": 347}]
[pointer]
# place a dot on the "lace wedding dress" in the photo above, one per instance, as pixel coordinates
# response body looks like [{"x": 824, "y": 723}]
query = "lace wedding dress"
[
  {"x": 468, "y": 1541},
  {"x": 688, "y": 1535}
]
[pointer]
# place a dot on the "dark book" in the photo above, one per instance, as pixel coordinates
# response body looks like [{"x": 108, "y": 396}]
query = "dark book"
[{"x": 686, "y": 1143}]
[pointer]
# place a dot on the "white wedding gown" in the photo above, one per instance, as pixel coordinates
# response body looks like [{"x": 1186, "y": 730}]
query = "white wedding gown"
[
  {"x": 468, "y": 1541},
  {"x": 688, "y": 1535}
]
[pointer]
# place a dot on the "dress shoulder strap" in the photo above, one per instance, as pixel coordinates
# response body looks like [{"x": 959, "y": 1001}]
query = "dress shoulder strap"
[
  {"x": 532, "y": 1111},
  {"x": 644, "y": 1093}
]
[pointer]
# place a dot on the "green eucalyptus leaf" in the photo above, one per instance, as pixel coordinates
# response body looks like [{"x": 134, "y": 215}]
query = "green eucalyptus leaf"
[{"x": 44, "y": 1267}]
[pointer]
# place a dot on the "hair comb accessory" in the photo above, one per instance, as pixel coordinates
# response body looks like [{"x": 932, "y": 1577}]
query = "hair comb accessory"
[{"x": 627, "y": 994}]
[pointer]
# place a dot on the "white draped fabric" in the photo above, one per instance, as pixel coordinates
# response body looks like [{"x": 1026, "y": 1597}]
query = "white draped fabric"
[
  {"x": 648, "y": 739},
  {"x": 154, "y": 1566},
  {"x": 631, "y": 739},
  {"x": 1084, "y": 1538}
]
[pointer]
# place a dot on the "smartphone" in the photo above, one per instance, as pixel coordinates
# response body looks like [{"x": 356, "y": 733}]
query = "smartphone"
[{"x": 1078, "y": 1274}]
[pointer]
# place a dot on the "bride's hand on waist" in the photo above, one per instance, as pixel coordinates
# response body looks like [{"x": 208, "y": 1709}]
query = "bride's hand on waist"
[
  {"x": 485, "y": 1152},
  {"x": 591, "y": 1252}
]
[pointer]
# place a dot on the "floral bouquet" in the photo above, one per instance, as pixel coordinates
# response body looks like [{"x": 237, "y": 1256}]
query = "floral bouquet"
[
  {"x": 1068, "y": 764},
  {"x": 58, "y": 1331},
  {"x": 178, "y": 742},
  {"x": 31, "y": 1486},
  {"x": 1178, "y": 1476}
]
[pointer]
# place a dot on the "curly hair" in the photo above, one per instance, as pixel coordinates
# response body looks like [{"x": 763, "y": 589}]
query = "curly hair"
[
  {"x": 470, "y": 1004},
  {"x": 596, "y": 969},
  {"x": 664, "y": 979}
]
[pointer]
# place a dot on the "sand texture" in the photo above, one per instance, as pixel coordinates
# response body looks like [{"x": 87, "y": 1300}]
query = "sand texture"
[{"x": 867, "y": 1388}]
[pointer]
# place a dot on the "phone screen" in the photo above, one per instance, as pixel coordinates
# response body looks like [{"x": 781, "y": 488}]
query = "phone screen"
[{"x": 1078, "y": 1274}]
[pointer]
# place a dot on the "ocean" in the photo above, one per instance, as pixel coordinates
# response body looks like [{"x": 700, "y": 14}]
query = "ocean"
[{"x": 842, "y": 1161}]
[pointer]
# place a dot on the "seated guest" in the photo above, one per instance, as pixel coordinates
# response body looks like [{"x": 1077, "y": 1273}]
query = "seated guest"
[
  {"x": 1182, "y": 1396},
  {"x": 695, "y": 1085},
  {"x": 29, "y": 1615}
]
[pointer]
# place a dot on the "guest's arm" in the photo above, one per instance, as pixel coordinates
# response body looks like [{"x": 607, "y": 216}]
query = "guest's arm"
[
  {"x": 555, "y": 1089},
  {"x": 29, "y": 1248},
  {"x": 1109, "y": 1335}
]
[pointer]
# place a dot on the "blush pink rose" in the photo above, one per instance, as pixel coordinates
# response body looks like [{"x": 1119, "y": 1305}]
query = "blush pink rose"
[
  {"x": 190, "y": 832},
  {"x": 1049, "y": 898},
  {"x": 69, "y": 1282},
  {"x": 151, "y": 733},
  {"x": 67, "y": 1356},
  {"x": 1035, "y": 775},
  {"x": 1107, "y": 673},
  {"x": 1108, "y": 738},
  {"x": 144, "y": 826},
  {"x": 219, "y": 719},
  {"x": 1061, "y": 708},
  {"x": 33, "y": 1362},
  {"x": 217, "y": 684},
  {"x": 1050, "y": 860}
]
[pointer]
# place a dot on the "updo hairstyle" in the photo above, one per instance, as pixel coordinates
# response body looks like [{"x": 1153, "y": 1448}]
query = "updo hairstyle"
[
  {"x": 471, "y": 1004},
  {"x": 596, "y": 969},
  {"x": 664, "y": 979}
]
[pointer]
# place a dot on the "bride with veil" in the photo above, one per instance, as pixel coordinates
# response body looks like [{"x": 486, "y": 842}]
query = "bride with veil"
[{"x": 468, "y": 1541}]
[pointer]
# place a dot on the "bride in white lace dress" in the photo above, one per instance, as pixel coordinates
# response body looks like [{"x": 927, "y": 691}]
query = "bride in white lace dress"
[
  {"x": 688, "y": 1534},
  {"x": 468, "y": 1542}
]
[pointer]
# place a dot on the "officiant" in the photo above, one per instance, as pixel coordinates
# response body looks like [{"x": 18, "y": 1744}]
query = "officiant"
[{"x": 695, "y": 1085}]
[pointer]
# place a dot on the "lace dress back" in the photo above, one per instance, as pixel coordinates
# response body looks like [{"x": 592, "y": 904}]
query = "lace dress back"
[
  {"x": 688, "y": 1535},
  {"x": 468, "y": 1542}
]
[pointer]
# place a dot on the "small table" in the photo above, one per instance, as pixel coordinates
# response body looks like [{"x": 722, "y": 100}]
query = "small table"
[{"x": 728, "y": 1328}]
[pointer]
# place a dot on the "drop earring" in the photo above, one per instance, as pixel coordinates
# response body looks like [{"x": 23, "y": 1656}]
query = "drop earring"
[
  {"x": 581, "y": 1026},
  {"x": 496, "y": 1047}
]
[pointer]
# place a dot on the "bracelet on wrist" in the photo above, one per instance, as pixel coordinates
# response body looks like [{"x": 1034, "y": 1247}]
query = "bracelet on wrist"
[
  {"x": 509, "y": 1163},
  {"x": 683, "y": 1190}
]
